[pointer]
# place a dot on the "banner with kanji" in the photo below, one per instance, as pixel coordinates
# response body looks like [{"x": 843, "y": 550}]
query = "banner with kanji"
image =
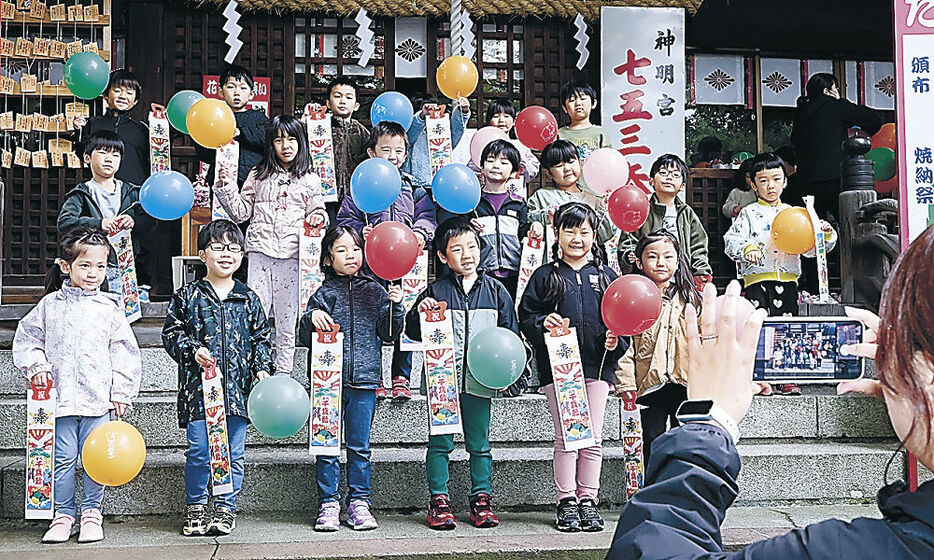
[{"x": 719, "y": 79}]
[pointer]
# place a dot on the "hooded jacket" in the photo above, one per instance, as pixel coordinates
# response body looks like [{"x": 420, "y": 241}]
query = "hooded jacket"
[
  {"x": 134, "y": 165},
  {"x": 252, "y": 141},
  {"x": 236, "y": 333},
  {"x": 691, "y": 482},
  {"x": 580, "y": 304},
  {"x": 361, "y": 307},
  {"x": 413, "y": 207},
  {"x": 80, "y": 209},
  {"x": 657, "y": 356},
  {"x": 692, "y": 237}
]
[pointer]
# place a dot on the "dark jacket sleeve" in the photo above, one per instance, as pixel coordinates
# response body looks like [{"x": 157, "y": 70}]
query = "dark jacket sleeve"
[
  {"x": 425, "y": 220},
  {"x": 260, "y": 345},
  {"x": 852, "y": 114},
  {"x": 507, "y": 310},
  {"x": 70, "y": 217},
  {"x": 532, "y": 311},
  {"x": 385, "y": 331},
  {"x": 305, "y": 327},
  {"x": 700, "y": 265},
  {"x": 206, "y": 155},
  {"x": 253, "y": 135},
  {"x": 176, "y": 340},
  {"x": 351, "y": 216},
  {"x": 524, "y": 223},
  {"x": 413, "y": 323}
]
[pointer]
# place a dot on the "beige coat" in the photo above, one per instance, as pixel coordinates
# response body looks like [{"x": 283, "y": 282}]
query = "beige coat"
[
  {"x": 276, "y": 208},
  {"x": 657, "y": 356}
]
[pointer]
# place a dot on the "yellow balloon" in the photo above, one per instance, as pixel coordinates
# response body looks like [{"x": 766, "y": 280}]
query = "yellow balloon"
[
  {"x": 113, "y": 453},
  {"x": 211, "y": 123},
  {"x": 792, "y": 231},
  {"x": 457, "y": 77}
]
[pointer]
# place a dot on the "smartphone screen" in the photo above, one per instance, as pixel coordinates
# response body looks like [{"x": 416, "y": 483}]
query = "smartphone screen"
[{"x": 807, "y": 350}]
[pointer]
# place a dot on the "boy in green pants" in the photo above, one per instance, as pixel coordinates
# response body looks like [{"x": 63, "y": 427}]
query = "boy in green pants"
[{"x": 476, "y": 302}]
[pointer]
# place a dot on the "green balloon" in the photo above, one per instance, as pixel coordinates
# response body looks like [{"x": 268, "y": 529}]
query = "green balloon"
[
  {"x": 278, "y": 406},
  {"x": 86, "y": 75},
  {"x": 496, "y": 357},
  {"x": 178, "y": 108},
  {"x": 883, "y": 163},
  {"x": 742, "y": 156}
]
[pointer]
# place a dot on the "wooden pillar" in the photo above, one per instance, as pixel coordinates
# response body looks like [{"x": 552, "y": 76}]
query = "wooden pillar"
[
  {"x": 760, "y": 127},
  {"x": 850, "y": 202}
]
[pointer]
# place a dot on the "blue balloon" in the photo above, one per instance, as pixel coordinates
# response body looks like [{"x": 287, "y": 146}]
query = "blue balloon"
[
  {"x": 392, "y": 106},
  {"x": 375, "y": 185},
  {"x": 456, "y": 188},
  {"x": 167, "y": 195}
]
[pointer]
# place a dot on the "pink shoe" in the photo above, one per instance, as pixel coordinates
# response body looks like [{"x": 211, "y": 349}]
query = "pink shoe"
[
  {"x": 60, "y": 530},
  {"x": 92, "y": 529}
]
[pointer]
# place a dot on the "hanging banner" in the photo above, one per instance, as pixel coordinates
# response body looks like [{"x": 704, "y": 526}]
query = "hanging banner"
[
  {"x": 851, "y": 77},
  {"x": 719, "y": 79},
  {"x": 642, "y": 72},
  {"x": 780, "y": 82},
  {"x": 211, "y": 88},
  {"x": 411, "y": 47},
  {"x": 815, "y": 66},
  {"x": 879, "y": 85}
]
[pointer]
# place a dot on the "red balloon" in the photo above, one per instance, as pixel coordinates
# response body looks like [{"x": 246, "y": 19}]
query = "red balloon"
[
  {"x": 628, "y": 208},
  {"x": 391, "y": 250},
  {"x": 886, "y": 137},
  {"x": 536, "y": 127},
  {"x": 631, "y": 305},
  {"x": 885, "y": 187}
]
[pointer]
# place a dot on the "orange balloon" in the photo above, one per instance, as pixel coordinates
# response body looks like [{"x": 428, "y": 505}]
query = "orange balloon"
[
  {"x": 113, "y": 453},
  {"x": 885, "y": 138},
  {"x": 211, "y": 123},
  {"x": 792, "y": 231},
  {"x": 457, "y": 77}
]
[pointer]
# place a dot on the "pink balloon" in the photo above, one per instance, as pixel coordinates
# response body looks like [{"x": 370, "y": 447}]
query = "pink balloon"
[
  {"x": 605, "y": 169},
  {"x": 479, "y": 141}
]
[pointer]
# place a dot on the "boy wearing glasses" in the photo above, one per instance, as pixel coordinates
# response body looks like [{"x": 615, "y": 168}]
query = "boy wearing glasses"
[
  {"x": 216, "y": 320},
  {"x": 667, "y": 177}
]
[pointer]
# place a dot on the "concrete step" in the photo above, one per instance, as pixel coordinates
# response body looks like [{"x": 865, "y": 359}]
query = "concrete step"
[{"x": 283, "y": 480}]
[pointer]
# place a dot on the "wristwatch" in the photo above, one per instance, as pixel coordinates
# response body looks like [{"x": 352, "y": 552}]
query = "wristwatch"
[{"x": 708, "y": 411}]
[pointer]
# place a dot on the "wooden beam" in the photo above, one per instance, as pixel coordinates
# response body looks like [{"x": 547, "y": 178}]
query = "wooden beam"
[{"x": 760, "y": 127}]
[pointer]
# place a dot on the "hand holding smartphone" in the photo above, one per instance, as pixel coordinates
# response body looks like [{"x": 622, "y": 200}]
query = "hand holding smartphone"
[{"x": 808, "y": 350}]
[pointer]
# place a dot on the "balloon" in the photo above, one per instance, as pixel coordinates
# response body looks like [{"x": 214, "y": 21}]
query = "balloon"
[
  {"x": 278, "y": 406},
  {"x": 480, "y": 140},
  {"x": 167, "y": 195},
  {"x": 631, "y": 305},
  {"x": 605, "y": 169},
  {"x": 744, "y": 308},
  {"x": 883, "y": 163},
  {"x": 885, "y": 138},
  {"x": 456, "y": 188},
  {"x": 536, "y": 127},
  {"x": 739, "y": 156},
  {"x": 457, "y": 77},
  {"x": 628, "y": 207},
  {"x": 391, "y": 250},
  {"x": 86, "y": 75},
  {"x": 496, "y": 357},
  {"x": 113, "y": 453},
  {"x": 179, "y": 106},
  {"x": 374, "y": 185},
  {"x": 392, "y": 106},
  {"x": 792, "y": 231},
  {"x": 211, "y": 123},
  {"x": 885, "y": 187}
]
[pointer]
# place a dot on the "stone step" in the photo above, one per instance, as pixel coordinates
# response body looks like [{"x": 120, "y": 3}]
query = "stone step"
[{"x": 281, "y": 480}]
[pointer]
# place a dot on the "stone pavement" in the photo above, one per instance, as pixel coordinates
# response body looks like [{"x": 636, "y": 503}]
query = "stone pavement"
[{"x": 521, "y": 535}]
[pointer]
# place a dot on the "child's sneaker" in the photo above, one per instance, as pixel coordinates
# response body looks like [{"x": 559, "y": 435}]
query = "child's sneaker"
[
  {"x": 400, "y": 389},
  {"x": 481, "y": 514},
  {"x": 61, "y": 529},
  {"x": 329, "y": 517},
  {"x": 590, "y": 517},
  {"x": 789, "y": 389},
  {"x": 381, "y": 392},
  {"x": 196, "y": 520},
  {"x": 359, "y": 517},
  {"x": 92, "y": 526},
  {"x": 569, "y": 517},
  {"x": 223, "y": 522},
  {"x": 440, "y": 515},
  {"x": 144, "y": 293}
]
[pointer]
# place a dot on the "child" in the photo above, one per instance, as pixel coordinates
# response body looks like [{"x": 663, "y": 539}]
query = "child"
[
  {"x": 563, "y": 165},
  {"x": 769, "y": 275},
  {"x": 655, "y": 364},
  {"x": 572, "y": 287},
  {"x": 237, "y": 85},
  {"x": 217, "y": 318},
  {"x": 578, "y": 99},
  {"x": 416, "y": 210},
  {"x": 104, "y": 201},
  {"x": 418, "y": 162},
  {"x": 350, "y": 136},
  {"x": 476, "y": 302},
  {"x": 361, "y": 308},
  {"x": 502, "y": 114},
  {"x": 278, "y": 196},
  {"x": 667, "y": 177},
  {"x": 78, "y": 338},
  {"x": 742, "y": 194}
]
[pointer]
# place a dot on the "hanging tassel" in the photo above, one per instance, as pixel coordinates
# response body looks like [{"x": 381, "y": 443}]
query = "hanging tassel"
[
  {"x": 582, "y": 40},
  {"x": 233, "y": 30},
  {"x": 467, "y": 36},
  {"x": 365, "y": 35}
]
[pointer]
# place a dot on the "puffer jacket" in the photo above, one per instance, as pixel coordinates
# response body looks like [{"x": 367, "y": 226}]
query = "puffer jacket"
[
  {"x": 275, "y": 207},
  {"x": 235, "y": 331},
  {"x": 659, "y": 355},
  {"x": 80, "y": 209},
  {"x": 413, "y": 207},
  {"x": 487, "y": 305},
  {"x": 360, "y": 306},
  {"x": 502, "y": 233}
]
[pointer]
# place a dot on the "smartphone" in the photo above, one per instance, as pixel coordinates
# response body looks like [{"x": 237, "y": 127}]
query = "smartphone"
[{"x": 807, "y": 350}]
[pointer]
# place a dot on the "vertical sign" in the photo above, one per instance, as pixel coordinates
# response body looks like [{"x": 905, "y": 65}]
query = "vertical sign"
[
  {"x": 643, "y": 79},
  {"x": 211, "y": 89}
]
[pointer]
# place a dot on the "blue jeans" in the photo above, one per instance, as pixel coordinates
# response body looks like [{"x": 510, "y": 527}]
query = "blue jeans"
[
  {"x": 357, "y": 409},
  {"x": 70, "y": 433},
  {"x": 198, "y": 464}
]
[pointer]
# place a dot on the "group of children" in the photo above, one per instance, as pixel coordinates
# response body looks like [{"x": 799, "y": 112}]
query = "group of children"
[{"x": 220, "y": 321}]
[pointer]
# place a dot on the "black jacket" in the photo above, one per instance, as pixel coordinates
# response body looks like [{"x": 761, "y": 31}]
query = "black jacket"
[
  {"x": 361, "y": 307},
  {"x": 252, "y": 124},
  {"x": 134, "y": 165},
  {"x": 691, "y": 481},
  {"x": 80, "y": 209},
  {"x": 581, "y": 304},
  {"x": 819, "y": 130},
  {"x": 502, "y": 233}
]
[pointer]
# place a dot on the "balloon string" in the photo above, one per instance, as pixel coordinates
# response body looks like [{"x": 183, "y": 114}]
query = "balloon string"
[{"x": 603, "y": 359}]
